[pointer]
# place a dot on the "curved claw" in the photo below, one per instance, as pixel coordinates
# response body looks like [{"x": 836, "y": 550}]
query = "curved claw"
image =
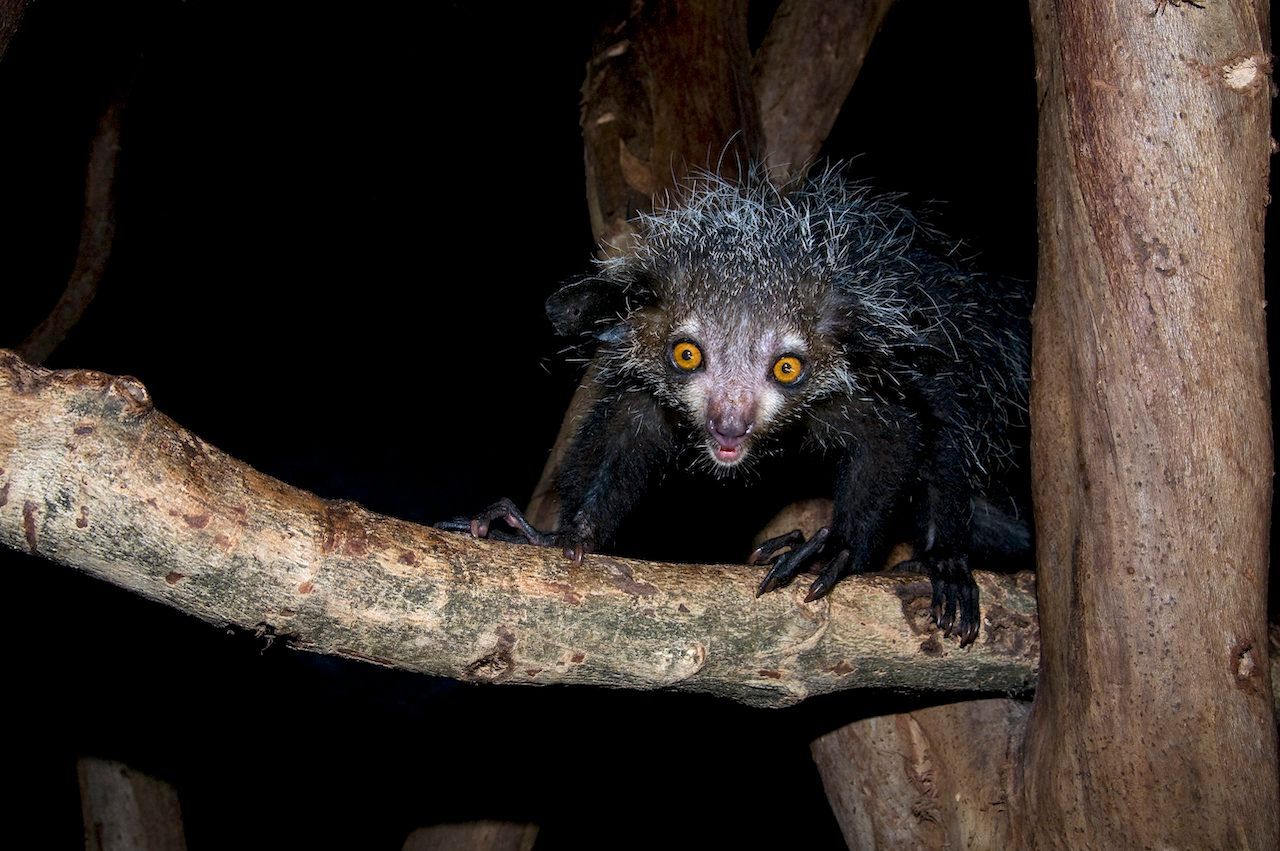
[
  {"x": 769, "y": 548},
  {"x": 830, "y": 575},
  {"x": 468, "y": 526},
  {"x": 954, "y": 602},
  {"x": 506, "y": 510},
  {"x": 575, "y": 548},
  {"x": 482, "y": 526},
  {"x": 575, "y": 542},
  {"x": 782, "y": 572},
  {"x": 791, "y": 563},
  {"x": 967, "y": 627}
]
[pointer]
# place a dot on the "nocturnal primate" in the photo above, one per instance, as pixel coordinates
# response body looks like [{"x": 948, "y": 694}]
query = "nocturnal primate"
[{"x": 747, "y": 320}]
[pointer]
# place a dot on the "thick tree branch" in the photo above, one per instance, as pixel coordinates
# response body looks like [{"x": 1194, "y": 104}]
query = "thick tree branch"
[
  {"x": 668, "y": 90},
  {"x": 803, "y": 72},
  {"x": 92, "y": 476}
]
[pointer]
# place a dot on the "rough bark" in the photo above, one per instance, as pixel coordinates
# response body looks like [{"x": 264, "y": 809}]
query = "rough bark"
[
  {"x": 1151, "y": 442},
  {"x": 93, "y": 477},
  {"x": 668, "y": 90},
  {"x": 97, "y": 235},
  {"x": 125, "y": 810},
  {"x": 934, "y": 778},
  {"x": 803, "y": 72}
]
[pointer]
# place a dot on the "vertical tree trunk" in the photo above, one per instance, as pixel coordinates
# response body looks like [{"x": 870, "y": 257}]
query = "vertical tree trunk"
[
  {"x": 1151, "y": 437},
  {"x": 934, "y": 778},
  {"x": 97, "y": 233},
  {"x": 125, "y": 810}
]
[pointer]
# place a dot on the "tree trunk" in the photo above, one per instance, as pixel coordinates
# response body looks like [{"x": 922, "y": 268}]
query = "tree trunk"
[
  {"x": 668, "y": 91},
  {"x": 934, "y": 778},
  {"x": 1151, "y": 438},
  {"x": 125, "y": 810}
]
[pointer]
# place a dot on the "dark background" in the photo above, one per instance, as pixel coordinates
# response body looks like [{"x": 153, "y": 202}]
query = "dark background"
[{"x": 336, "y": 231}]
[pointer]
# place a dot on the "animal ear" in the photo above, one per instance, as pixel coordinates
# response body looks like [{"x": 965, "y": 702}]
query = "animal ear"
[{"x": 595, "y": 306}]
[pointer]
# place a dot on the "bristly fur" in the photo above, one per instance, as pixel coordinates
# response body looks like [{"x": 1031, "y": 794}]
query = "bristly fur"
[{"x": 840, "y": 262}]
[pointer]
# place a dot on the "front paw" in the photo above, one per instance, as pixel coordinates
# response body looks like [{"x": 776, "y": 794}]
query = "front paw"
[
  {"x": 575, "y": 542},
  {"x": 954, "y": 605},
  {"x": 481, "y": 525},
  {"x": 800, "y": 553}
]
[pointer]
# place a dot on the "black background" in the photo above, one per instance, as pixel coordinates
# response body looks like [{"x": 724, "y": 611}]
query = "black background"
[{"x": 336, "y": 231}]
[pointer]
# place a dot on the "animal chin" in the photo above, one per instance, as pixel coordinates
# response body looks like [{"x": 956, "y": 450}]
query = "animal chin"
[{"x": 727, "y": 456}]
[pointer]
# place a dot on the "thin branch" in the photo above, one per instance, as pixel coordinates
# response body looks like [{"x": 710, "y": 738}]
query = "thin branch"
[
  {"x": 92, "y": 476},
  {"x": 97, "y": 235}
]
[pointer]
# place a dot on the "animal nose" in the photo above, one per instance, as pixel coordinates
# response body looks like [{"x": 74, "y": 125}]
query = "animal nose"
[{"x": 730, "y": 430}]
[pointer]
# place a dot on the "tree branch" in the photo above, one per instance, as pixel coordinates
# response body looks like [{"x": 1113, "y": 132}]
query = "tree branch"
[
  {"x": 97, "y": 234},
  {"x": 93, "y": 477},
  {"x": 667, "y": 91},
  {"x": 803, "y": 72}
]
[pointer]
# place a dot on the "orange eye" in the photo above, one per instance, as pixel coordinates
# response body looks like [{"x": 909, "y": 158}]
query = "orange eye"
[
  {"x": 787, "y": 369},
  {"x": 686, "y": 355}
]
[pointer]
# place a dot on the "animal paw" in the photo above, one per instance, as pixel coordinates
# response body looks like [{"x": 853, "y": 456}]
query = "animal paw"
[
  {"x": 575, "y": 543},
  {"x": 954, "y": 606},
  {"x": 799, "y": 555}
]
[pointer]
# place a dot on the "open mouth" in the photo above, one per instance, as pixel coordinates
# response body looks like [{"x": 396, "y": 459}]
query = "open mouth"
[{"x": 728, "y": 455}]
